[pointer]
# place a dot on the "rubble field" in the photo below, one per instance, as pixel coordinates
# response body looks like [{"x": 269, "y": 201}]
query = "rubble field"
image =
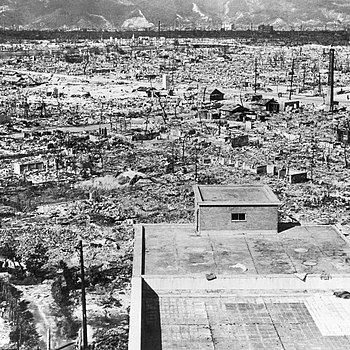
[{"x": 97, "y": 136}]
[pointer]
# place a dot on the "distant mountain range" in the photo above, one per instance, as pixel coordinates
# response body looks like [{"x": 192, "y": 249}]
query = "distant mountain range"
[{"x": 135, "y": 14}]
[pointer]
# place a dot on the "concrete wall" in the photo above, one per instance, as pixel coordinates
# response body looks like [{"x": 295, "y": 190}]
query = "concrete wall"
[
  {"x": 297, "y": 178},
  {"x": 253, "y": 282},
  {"x": 136, "y": 319},
  {"x": 20, "y": 168},
  {"x": 258, "y": 218}
]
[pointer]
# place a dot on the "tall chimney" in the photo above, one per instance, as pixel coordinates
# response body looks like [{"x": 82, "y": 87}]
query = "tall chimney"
[{"x": 331, "y": 80}]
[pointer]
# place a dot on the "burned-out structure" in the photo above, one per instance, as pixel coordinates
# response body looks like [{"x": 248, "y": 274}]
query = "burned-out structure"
[{"x": 22, "y": 167}]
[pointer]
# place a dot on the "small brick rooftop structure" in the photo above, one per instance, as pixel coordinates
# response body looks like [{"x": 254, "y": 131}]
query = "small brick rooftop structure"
[
  {"x": 236, "y": 208},
  {"x": 226, "y": 290}
]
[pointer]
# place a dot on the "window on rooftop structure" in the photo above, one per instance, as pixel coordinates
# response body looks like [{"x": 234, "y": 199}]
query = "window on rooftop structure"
[{"x": 238, "y": 217}]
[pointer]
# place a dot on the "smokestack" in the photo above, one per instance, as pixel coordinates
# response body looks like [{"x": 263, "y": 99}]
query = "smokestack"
[
  {"x": 331, "y": 80},
  {"x": 158, "y": 29}
]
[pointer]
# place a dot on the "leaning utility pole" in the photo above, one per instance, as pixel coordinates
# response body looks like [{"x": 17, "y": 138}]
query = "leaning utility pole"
[
  {"x": 291, "y": 81},
  {"x": 83, "y": 297}
]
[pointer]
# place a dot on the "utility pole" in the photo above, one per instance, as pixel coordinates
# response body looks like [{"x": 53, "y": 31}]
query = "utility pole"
[
  {"x": 83, "y": 297},
  {"x": 314, "y": 82},
  {"x": 345, "y": 157},
  {"x": 313, "y": 157},
  {"x": 175, "y": 108},
  {"x": 291, "y": 81},
  {"x": 195, "y": 165},
  {"x": 319, "y": 82},
  {"x": 48, "y": 346},
  {"x": 183, "y": 150},
  {"x": 204, "y": 90},
  {"x": 172, "y": 157},
  {"x": 345, "y": 144},
  {"x": 255, "y": 74}
]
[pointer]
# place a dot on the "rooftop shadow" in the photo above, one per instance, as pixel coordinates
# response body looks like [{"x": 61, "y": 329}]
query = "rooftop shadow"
[{"x": 151, "y": 327}]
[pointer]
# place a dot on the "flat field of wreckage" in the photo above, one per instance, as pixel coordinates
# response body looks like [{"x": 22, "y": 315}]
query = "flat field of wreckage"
[{"x": 97, "y": 136}]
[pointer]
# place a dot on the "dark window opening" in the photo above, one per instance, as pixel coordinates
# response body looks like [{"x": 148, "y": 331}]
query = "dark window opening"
[{"x": 238, "y": 217}]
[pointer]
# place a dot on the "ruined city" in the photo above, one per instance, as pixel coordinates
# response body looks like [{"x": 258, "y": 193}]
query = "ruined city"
[{"x": 175, "y": 187}]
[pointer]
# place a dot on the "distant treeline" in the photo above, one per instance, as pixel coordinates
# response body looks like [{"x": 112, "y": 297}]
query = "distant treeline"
[{"x": 323, "y": 37}]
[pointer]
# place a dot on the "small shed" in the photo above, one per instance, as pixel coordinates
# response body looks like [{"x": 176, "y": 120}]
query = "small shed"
[
  {"x": 239, "y": 141},
  {"x": 236, "y": 208},
  {"x": 216, "y": 95},
  {"x": 230, "y": 110},
  {"x": 270, "y": 105},
  {"x": 297, "y": 176},
  {"x": 293, "y": 176}
]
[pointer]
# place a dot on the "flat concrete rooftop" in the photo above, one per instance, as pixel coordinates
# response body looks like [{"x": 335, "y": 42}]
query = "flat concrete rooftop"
[
  {"x": 231, "y": 322},
  {"x": 256, "y": 194},
  {"x": 178, "y": 250},
  {"x": 270, "y": 291}
]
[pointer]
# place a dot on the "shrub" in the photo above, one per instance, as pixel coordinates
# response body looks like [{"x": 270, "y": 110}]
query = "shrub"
[
  {"x": 35, "y": 259},
  {"x": 116, "y": 338}
]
